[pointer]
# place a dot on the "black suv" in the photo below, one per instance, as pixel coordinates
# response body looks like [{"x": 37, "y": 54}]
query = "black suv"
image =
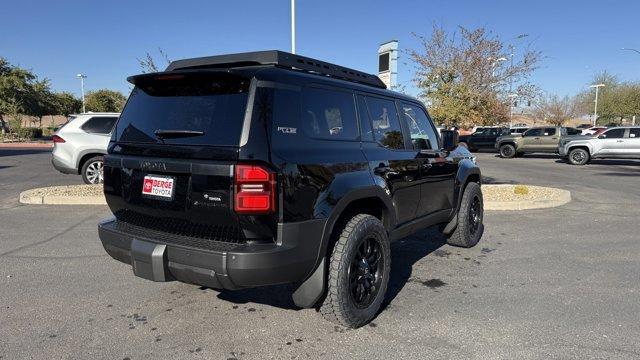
[
  {"x": 265, "y": 168},
  {"x": 483, "y": 138}
]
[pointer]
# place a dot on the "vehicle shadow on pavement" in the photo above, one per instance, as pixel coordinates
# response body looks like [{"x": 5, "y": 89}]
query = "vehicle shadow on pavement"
[
  {"x": 404, "y": 253},
  {"x": 15, "y": 152}
]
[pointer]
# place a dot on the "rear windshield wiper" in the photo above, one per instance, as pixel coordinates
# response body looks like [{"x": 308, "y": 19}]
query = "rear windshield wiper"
[{"x": 172, "y": 134}]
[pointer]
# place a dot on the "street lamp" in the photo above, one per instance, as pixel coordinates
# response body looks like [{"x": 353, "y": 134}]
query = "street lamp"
[
  {"x": 595, "y": 109},
  {"x": 82, "y": 77},
  {"x": 494, "y": 63},
  {"x": 512, "y": 98},
  {"x": 293, "y": 26},
  {"x": 636, "y": 50}
]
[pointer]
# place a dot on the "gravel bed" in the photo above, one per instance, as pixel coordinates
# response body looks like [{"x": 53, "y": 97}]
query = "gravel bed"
[
  {"x": 509, "y": 193},
  {"x": 69, "y": 190}
]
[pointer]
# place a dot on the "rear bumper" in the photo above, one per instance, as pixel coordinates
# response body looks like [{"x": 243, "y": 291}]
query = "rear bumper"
[
  {"x": 291, "y": 259},
  {"x": 62, "y": 167}
]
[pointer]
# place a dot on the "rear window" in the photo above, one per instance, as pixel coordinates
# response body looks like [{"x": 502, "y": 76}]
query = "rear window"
[
  {"x": 329, "y": 114},
  {"x": 99, "y": 124},
  {"x": 211, "y": 104}
]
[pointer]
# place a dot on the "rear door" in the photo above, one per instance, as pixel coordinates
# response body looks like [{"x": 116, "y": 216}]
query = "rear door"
[
  {"x": 173, "y": 153},
  {"x": 633, "y": 143},
  {"x": 390, "y": 156},
  {"x": 549, "y": 140}
]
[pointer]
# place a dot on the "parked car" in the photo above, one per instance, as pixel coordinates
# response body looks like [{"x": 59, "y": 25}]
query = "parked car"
[
  {"x": 518, "y": 129},
  {"x": 304, "y": 174},
  {"x": 80, "y": 144},
  {"x": 593, "y": 130},
  {"x": 483, "y": 138},
  {"x": 619, "y": 142},
  {"x": 537, "y": 139}
]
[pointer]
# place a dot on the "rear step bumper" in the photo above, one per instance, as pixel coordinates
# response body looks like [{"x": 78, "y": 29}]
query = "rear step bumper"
[{"x": 291, "y": 259}]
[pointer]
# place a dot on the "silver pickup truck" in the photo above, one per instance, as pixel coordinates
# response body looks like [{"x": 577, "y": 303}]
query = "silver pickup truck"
[{"x": 618, "y": 142}]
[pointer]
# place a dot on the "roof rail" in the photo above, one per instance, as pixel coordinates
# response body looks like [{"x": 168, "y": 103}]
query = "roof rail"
[{"x": 280, "y": 59}]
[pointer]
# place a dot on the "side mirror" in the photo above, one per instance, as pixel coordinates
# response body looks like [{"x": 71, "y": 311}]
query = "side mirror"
[{"x": 449, "y": 139}]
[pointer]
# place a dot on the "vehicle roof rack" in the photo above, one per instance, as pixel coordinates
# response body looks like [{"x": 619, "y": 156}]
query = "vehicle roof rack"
[{"x": 280, "y": 59}]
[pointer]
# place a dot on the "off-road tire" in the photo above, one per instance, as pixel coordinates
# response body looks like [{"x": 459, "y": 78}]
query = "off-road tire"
[
  {"x": 507, "y": 151},
  {"x": 578, "y": 156},
  {"x": 88, "y": 167},
  {"x": 466, "y": 234},
  {"x": 339, "y": 305}
]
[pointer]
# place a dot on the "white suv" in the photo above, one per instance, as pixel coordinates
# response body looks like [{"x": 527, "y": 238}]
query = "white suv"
[
  {"x": 80, "y": 144},
  {"x": 619, "y": 142}
]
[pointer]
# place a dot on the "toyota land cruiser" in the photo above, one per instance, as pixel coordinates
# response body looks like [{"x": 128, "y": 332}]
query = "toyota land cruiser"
[{"x": 266, "y": 168}]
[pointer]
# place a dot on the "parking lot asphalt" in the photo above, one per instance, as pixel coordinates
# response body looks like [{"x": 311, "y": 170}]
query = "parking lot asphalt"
[{"x": 550, "y": 283}]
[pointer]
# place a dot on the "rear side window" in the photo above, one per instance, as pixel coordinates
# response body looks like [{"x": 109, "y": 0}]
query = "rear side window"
[
  {"x": 99, "y": 124},
  {"x": 329, "y": 114},
  {"x": 634, "y": 133},
  {"x": 572, "y": 131},
  {"x": 212, "y": 104},
  {"x": 385, "y": 122},
  {"x": 423, "y": 137},
  {"x": 533, "y": 132},
  {"x": 615, "y": 134},
  {"x": 549, "y": 131}
]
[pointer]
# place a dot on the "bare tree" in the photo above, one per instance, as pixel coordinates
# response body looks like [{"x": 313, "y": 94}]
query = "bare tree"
[
  {"x": 148, "y": 64},
  {"x": 467, "y": 75},
  {"x": 555, "y": 110}
]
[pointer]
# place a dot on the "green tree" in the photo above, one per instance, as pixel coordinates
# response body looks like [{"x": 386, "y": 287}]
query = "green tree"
[
  {"x": 67, "y": 104},
  {"x": 104, "y": 101},
  {"x": 15, "y": 92},
  {"x": 616, "y": 100},
  {"x": 466, "y": 77}
]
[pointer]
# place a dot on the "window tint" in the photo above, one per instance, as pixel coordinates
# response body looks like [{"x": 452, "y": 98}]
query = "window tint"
[
  {"x": 634, "y": 133},
  {"x": 365, "y": 121},
  {"x": 615, "y": 133},
  {"x": 329, "y": 114},
  {"x": 572, "y": 131},
  {"x": 422, "y": 134},
  {"x": 385, "y": 123},
  {"x": 214, "y": 104},
  {"x": 533, "y": 132},
  {"x": 549, "y": 131},
  {"x": 99, "y": 124}
]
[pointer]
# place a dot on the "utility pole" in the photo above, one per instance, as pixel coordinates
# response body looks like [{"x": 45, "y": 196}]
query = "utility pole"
[
  {"x": 595, "y": 109},
  {"x": 293, "y": 26},
  {"x": 82, "y": 77}
]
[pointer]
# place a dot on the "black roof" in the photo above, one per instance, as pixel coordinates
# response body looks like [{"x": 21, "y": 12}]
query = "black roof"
[{"x": 280, "y": 59}]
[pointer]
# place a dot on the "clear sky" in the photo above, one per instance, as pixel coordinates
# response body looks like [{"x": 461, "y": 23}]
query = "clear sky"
[{"x": 58, "y": 39}]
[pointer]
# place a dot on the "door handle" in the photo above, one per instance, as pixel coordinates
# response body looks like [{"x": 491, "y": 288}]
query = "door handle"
[
  {"x": 620, "y": 141},
  {"x": 536, "y": 138}
]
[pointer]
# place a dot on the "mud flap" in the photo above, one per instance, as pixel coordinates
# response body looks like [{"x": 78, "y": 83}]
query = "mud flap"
[
  {"x": 310, "y": 291},
  {"x": 149, "y": 260}
]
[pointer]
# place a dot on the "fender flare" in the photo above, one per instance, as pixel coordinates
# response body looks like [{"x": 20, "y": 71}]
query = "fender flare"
[
  {"x": 313, "y": 287},
  {"x": 83, "y": 153},
  {"x": 466, "y": 169}
]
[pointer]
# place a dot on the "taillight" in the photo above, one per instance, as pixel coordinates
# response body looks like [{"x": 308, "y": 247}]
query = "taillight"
[
  {"x": 57, "y": 139},
  {"x": 255, "y": 190}
]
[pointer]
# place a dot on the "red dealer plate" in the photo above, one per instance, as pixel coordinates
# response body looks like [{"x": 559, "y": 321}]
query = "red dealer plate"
[{"x": 158, "y": 186}]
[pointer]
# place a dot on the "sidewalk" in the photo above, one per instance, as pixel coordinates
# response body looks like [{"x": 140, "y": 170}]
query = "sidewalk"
[{"x": 27, "y": 145}]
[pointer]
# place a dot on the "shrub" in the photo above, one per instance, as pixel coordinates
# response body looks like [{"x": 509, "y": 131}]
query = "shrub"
[
  {"x": 520, "y": 190},
  {"x": 29, "y": 133}
]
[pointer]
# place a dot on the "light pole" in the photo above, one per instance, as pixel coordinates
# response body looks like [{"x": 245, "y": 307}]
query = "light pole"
[
  {"x": 595, "y": 109},
  {"x": 494, "y": 63},
  {"x": 512, "y": 98},
  {"x": 82, "y": 77},
  {"x": 293, "y": 26},
  {"x": 636, "y": 50}
]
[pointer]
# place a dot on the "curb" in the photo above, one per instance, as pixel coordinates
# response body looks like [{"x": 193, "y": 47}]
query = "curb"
[
  {"x": 28, "y": 197},
  {"x": 564, "y": 196},
  {"x": 47, "y": 145}
]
